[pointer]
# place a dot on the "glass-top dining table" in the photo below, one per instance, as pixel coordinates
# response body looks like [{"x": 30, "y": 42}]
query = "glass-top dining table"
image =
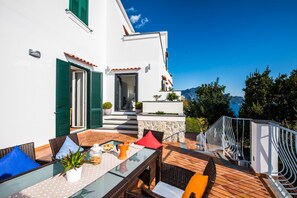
[{"x": 113, "y": 183}]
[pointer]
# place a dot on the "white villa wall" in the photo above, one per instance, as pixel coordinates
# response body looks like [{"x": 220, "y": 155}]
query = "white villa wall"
[
  {"x": 128, "y": 53},
  {"x": 28, "y": 85},
  {"x": 165, "y": 106}
]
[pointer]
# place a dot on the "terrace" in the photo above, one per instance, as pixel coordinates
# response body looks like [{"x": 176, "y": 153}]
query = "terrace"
[{"x": 231, "y": 181}]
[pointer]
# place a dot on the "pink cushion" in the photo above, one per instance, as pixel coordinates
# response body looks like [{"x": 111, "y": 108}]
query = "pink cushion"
[{"x": 149, "y": 141}]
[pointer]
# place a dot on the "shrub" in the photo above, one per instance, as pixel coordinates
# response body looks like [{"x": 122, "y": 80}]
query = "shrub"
[
  {"x": 172, "y": 96},
  {"x": 160, "y": 113},
  {"x": 194, "y": 124},
  {"x": 138, "y": 105},
  {"x": 107, "y": 105}
]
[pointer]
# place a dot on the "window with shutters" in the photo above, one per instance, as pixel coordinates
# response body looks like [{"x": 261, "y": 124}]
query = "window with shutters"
[{"x": 80, "y": 9}]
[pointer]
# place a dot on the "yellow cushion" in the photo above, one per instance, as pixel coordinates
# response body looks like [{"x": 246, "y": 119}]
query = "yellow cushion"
[{"x": 197, "y": 185}]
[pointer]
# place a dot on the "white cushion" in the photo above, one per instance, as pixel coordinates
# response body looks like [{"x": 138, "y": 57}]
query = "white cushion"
[
  {"x": 67, "y": 145},
  {"x": 167, "y": 190}
]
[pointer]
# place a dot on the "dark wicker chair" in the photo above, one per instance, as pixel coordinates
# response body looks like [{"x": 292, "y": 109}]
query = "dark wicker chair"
[
  {"x": 179, "y": 177},
  {"x": 27, "y": 148},
  {"x": 57, "y": 143},
  {"x": 147, "y": 176}
]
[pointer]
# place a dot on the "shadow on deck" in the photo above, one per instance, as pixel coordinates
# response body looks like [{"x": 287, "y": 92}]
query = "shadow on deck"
[{"x": 231, "y": 181}]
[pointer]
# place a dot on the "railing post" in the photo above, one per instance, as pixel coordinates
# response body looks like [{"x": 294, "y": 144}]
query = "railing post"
[
  {"x": 242, "y": 141},
  {"x": 273, "y": 150},
  {"x": 223, "y": 134},
  {"x": 264, "y": 149},
  {"x": 269, "y": 150}
]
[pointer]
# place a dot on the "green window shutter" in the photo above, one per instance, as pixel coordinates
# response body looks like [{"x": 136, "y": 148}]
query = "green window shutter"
[
  {"x": 80, "y": 8},
  {"x": 74, "y": 7},
  {"x": 84, "y": 11},
  {"x": 62, "y": 98},
  {"x": 94, "y": 100}
]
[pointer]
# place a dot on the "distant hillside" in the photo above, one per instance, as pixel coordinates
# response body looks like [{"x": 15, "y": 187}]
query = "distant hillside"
[
  {"x": 189, "y": 94},
  {"x": 235, "y": 103}
]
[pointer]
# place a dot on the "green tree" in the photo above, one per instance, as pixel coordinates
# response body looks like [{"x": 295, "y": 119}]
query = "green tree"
[
  {"x": 279, "y": 106},
  {"x": 270, "y": 99},
  {"x": 196, "y": 124},
  {"x": 292, "y": 100},
  {"x": 212, "y": 102},
  {"x": 258, "y": 96},
  {"x": 190, "y": 108}
]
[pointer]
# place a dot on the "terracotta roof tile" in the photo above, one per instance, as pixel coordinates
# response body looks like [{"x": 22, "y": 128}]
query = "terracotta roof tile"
[
  {"x": 80, "y": 59},
  {"x": 126, "y": 69}
]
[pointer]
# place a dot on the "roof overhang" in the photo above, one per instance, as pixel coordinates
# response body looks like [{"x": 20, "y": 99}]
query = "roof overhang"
[
  {"x": 125, "y": 15},
  {"x": 125, "y": 69},
  {"x": 78, "y": 59}
]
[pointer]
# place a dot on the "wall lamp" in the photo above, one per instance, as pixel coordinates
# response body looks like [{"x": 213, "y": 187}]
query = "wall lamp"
[
  {"x": 107, "y": 70},
  {"x": 35, "y": 53},
  {"x": 147, "y": 68}
]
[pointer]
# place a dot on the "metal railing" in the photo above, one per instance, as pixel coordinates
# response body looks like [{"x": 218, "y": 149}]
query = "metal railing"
[
  {"x": 282, "y": 157},
  {"x": 229, "y": 135}
]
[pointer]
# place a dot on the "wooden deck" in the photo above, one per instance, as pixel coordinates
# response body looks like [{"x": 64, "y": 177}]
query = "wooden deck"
[{"x": 231, "y": 181}]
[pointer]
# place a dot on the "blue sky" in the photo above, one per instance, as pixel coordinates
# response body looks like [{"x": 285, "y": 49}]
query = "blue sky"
[{"x": 228, "y": 39}]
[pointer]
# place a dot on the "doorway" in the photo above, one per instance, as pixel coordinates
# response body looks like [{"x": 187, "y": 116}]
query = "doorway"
[
  {"x": 126, "y": 88},
  {"x": 78, "y": 99}
]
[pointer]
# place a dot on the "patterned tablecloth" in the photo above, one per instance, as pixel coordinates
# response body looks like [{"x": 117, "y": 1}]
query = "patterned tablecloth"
[{"x": 58, "y": 186}]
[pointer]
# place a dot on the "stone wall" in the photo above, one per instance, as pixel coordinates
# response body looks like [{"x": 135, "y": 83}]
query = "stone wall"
[{"x": 168, "y": 127}]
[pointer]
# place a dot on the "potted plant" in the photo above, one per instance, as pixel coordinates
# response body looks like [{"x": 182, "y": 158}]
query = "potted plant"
[
  {"x": 138, "y": 107},
  {"x": 157, "y": 97},
  {"x": 172, "y": 96},
  {"x": 72, "y": 164},
  {"x": 107, "y": 108}
]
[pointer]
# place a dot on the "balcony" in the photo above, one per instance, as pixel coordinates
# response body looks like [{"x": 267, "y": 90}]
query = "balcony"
[{"x": 231, "y": 181}]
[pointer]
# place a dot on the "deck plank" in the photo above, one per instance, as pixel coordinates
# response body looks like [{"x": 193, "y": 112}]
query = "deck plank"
[{"x": 231, "y": 181}]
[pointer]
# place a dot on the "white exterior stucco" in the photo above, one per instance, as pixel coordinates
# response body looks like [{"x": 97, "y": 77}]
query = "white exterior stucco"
[
  {"x": 260, "y": 148},
  {"x": 135, "y": 50},
  {"x": 28, "y": 84},
  {"x": 175, "y": 107}
]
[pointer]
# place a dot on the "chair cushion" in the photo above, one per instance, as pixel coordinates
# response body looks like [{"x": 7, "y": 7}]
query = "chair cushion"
[
  {"x": 15, "y": 162},
  {"x": 167, "y": 190},
  {"x": 197, "y": 185},
  {"x": 67, "y": 146},
  {"x": 149, "y": 141}
]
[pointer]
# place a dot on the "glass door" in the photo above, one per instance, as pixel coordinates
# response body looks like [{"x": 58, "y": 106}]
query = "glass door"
[
  {"x": 125, "y": 92},
  {"x": 78, "y": 99}
]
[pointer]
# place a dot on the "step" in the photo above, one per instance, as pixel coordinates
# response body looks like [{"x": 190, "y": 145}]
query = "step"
[
  {"x": 116, "y": 126},
  {"x": 125, "y": 131},
  {"x": 118, "y": 116},
  {"x": 120, "y": 121},
  {"x": 124, "y": 113}
]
